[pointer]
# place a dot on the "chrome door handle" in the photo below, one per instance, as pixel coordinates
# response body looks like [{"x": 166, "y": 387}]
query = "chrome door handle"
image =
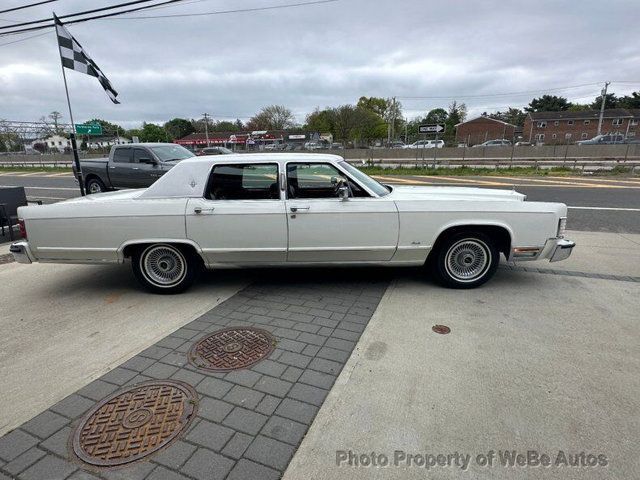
[
  {"x": 112, "y": 168},
  {"x": 200, "y": 210},
  {"x": 297, "y": 209},
  {"x": 136, "y": 168}
]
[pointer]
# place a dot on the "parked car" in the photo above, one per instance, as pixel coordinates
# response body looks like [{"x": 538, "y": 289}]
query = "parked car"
[
  {"x": 314, "y": 146},
  {"x": 337, "y": 146},
  {"x": 214, "y": 151},
  {"x": 523, "y": 144},
  {"x": 426, "y": 144},
  {"x": 495, "y": 143},
  {"x": 603, "y": 140},
  {"x": 133, "y": 165},
  {"x": 396, "y": 144},
  {"x": 291, "y": 209}
]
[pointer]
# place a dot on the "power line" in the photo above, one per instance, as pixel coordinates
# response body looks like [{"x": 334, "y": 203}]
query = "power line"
[
  {"x": 95, "y": 10},
  {"x": 225, "y": 12},
  {"x": 531, "y": 92},
  {"x": 25, "y": 38},
  {"x": 106, "y": 15},
  {"x": 219, "y": 12},
  {"x": 27, "y": 6}
]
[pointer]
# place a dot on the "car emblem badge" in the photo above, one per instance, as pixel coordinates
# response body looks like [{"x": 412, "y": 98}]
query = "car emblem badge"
[{"x": 193, "y": 184}]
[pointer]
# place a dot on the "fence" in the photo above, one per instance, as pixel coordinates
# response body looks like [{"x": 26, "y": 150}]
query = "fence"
[{"x": 573, "y": 156}]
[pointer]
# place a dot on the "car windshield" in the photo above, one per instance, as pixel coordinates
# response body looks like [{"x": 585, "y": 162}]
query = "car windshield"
[
  {"x": 365, "y": 180},
  {"x": 170, "y": 153}
]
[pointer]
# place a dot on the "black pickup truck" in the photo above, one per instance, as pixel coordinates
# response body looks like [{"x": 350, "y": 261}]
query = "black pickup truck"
[{"x": 133, "y": 165}]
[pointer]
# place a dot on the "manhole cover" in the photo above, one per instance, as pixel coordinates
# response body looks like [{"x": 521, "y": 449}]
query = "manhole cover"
[
  {"x": 131, "y": 424},
  {"x": 232, "y": 348},
  {"x": 441, "y": 329}
]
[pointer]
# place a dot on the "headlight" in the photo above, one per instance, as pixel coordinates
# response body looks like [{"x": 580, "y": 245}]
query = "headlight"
[{"x": 562, "y": 226}]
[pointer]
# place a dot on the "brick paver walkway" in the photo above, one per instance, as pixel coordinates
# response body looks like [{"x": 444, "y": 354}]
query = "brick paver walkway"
[{"x": 249, "y": 422}]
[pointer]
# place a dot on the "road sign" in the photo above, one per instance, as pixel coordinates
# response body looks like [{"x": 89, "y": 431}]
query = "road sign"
[
  {"x": 89, "y": 129},
  {"x": 433, "y": 128}
]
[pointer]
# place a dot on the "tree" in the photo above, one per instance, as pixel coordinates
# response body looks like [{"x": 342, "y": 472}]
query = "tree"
[
  {"x": 108, "y": 128},
  {"x": 611, "y": 101},
  {"x": 321, "y": 121},
  {"x": 224, "y": 126},
  {"x": 374, "y": 104},
  {"x": 437, "y": 115},
  {"x": 55, "y": 116},
  {"x": 151, "y": 132},
  {"x": 273, "y": 117},
  {"x": 630, "y": 101},
  {"x": 178, "y": 128},
  {"x": 514, "y": 116},
  {"x": 548, "y": 103}
]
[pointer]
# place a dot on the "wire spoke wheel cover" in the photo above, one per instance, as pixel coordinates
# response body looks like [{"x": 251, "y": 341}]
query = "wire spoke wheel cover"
[
  {"x": 232, "y": 349},
  {"x": 163, "y": 265},
  {"x": 467, "y": 260},
  {"x": 134, "y": 423}
]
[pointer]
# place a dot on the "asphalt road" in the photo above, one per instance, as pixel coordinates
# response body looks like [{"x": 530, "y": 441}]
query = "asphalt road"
[{"x": 596, "y": 204}]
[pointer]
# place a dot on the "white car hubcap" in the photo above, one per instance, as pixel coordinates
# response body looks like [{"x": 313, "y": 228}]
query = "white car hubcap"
[
  {"x": 467, "y": 260},
  {"x": 94, "y": 187},
  {"x": 163, "y": 265}
]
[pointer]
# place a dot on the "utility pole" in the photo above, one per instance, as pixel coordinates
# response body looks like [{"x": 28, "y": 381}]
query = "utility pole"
[
  {"x": 206, "y": 127},
  {"x": 604, "y": 101}
]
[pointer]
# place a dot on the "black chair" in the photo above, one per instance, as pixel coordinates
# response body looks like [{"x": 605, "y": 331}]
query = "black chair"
[{"x": 10, "y": 199}]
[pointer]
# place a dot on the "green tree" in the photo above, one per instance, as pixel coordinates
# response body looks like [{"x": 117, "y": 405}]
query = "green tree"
[
  {"x": 321, "y": 121},
  {"x": 108, "y": 128},
  {"x": 611, "y": 101},
  {"x": 548, "y": 103},
  {"x": 437, "y": 115},
  {"x": 224, "y": 126},
  {"x": 579, "y": 107},
  {"x": 376, "y": 105},
  {"x": 630, "y": 101},
  {"x": 151, "y": 132},
  {"x": 178, "y": 128},
  {"x": 514, "y": 116}
]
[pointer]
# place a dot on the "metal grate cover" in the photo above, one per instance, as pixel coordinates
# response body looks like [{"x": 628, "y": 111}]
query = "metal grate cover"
[
  {"x": 131, "y": 424},
  {"x": 232, "y": 349}
]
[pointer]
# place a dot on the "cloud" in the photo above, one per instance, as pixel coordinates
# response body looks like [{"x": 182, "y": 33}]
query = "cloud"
[{"x": 324, "y": 55}]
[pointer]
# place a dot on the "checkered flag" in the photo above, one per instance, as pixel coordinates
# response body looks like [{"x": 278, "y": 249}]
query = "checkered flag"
[{"x": 76, "y": 58}]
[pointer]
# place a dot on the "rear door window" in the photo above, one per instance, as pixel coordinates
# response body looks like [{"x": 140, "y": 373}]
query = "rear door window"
[
  {"x": 122, "y": 155},
  {"x": 244, "y": 182}
]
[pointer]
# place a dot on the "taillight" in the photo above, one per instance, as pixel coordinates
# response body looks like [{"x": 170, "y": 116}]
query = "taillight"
[{"x": 23, "y": 229}]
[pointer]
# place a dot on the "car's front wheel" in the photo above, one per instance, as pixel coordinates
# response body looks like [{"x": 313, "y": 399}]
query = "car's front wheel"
[
  {"x": 465, "y": 260},
  {"x": 165, "y": 268}
]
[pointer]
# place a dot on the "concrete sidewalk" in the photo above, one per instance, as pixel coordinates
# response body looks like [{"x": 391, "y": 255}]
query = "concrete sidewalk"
[
  {"x": 65, "y": 325},
  {"x": 533, "y": 362}
]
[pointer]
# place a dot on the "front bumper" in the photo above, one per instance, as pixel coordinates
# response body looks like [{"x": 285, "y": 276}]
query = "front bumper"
[
  {"x": 21, "y": 252},
  {"x": 554, "y": 250}
]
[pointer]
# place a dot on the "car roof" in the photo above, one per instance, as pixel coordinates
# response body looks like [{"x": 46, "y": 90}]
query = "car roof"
[
  {"x": 188, "y": 177},
  {"x": 264, "y": 157}
]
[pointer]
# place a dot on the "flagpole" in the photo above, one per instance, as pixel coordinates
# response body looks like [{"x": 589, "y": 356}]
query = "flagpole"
[{"x": 74, "y": 145}]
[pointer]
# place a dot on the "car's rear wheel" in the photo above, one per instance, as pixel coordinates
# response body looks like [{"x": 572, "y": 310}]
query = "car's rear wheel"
[
  {"x": 465, "y": 260},
  {"x": 165, "y": 268},
  {"x": 95, "y": 185}
]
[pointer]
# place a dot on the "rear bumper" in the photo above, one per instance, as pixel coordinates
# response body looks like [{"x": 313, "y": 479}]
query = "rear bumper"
[
  {"x": 561, "y": 249},
  {"x": 21, "y": 252},
  {"x": 554, "y": 250}
]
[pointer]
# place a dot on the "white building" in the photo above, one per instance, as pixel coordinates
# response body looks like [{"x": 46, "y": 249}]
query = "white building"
[
  {"x": 106, "y": 142},
  {"x": 54, "y": 142}
]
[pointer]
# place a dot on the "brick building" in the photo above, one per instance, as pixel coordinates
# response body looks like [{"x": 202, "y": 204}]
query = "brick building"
[
  {"x": 481, "y": 129},
  {"x": 568, "y": 127}
]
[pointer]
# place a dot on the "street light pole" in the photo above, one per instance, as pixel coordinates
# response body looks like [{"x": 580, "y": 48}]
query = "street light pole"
[
  {"x": 602, "y": 104},
  {"x": 206, "y": 127}
]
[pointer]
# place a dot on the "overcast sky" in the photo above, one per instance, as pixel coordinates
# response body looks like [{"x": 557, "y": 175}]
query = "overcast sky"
[{"x": 322, "y": 55}]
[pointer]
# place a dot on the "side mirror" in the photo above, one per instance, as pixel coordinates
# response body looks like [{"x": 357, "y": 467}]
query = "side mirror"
[
  {"x": 343, "y": 192},
  {"x": 148, "y": 161}
]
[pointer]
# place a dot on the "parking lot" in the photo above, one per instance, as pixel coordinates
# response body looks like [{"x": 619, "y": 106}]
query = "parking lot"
[{"x": 542, "y": 359}]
